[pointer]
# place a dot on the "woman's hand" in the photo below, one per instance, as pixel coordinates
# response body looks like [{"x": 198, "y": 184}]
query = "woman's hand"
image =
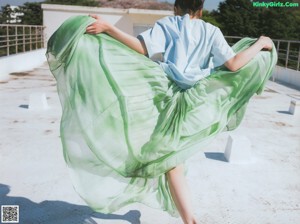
[
  {"x": 100, "y": 26},
  {"x": 243, "y": 57},
  {"x": 266, "y": 42}
]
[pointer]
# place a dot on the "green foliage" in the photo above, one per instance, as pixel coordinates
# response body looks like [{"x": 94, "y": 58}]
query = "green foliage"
[
  {"x": 33, "y": 14},
  {"x": 6, "y": 13},
  {"x": 238, "y": 18},
  {"x": 279, "y": 24},
  {"x": 209, "y": 17},
  {"x": 241, "y": 18},
  {"x": 296, "y": 13},
  {"x": 29, "y": 13}
]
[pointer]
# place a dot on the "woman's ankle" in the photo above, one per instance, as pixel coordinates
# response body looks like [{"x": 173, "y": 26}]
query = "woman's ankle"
[{"x": 190, "y": 220}]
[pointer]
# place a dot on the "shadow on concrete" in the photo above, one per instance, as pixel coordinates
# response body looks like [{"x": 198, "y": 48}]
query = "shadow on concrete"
[
  {"x": 59, "y": 212},
  {"x": 284, "y": 112},
  {"x": 25, "y": 106},
  {"x": 216, "y": 156},
  {"x": 289, "y": 85}
]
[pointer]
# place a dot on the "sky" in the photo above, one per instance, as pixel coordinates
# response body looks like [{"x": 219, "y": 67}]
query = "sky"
[{"x": 208, "y": 5}]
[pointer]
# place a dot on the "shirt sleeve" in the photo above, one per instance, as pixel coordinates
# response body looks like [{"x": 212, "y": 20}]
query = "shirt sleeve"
[
  {"x": 221, "y": 51},
  {"x": 154, "y": 39}
]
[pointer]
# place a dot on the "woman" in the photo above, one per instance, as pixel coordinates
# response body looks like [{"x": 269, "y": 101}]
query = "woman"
[{"x": 129, "y": 123}]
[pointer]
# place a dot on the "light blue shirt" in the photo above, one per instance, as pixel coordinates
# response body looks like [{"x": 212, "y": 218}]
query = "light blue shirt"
[{"x": 190, "y": 48}]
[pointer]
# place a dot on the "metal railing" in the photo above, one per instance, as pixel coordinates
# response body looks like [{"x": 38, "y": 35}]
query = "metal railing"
[
  {"x": 20, "y": 38},
  {"x": 288, "y": 51}
]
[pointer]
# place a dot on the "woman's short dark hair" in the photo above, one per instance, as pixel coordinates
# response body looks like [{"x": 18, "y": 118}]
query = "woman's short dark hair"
[{"x": 188, "y": 6}]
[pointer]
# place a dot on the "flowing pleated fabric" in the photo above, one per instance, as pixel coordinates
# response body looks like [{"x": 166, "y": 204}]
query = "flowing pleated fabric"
[{"x": 125, "y": 124}]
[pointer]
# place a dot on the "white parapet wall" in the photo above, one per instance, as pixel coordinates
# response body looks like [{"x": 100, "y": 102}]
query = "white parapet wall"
[
  {"x": 128, "y": 20},
  {"x": 21, "y": 62},
  {"x": 131, "y": 21},
  {"x": 286, "y": 76}
]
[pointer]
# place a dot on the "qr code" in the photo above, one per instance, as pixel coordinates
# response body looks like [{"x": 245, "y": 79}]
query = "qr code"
[{"x": 10, "y": 214}]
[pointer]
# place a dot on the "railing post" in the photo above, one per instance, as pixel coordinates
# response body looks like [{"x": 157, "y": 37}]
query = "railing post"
[
  {"x": 278, "y": 44},
  {"x": 298, "y": 62},
  {"x": 44, "y": 38},
  {"x": 36, "y": 39},
  {"x": 30, "y": 42},
  {"x": 7, "y": 40},
  {"x": 16, "y": 38},
  {"x": 287, "y": 54},
  {"x": 24, "y": 36},
  {"x": 277, "y": 49}
]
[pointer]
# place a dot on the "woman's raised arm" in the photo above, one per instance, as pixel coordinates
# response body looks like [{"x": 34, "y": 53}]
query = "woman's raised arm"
[
  {"x": 101, "y": 26},
  {"x": 242, "y": 58}
]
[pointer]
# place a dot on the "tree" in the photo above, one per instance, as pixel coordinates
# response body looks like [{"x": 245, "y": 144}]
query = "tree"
[
  {"x": 238, "y": 18},
  {"x": 297, "y": 20},
  {"x": 210, "y": 18},
  {"x": 32, "y": 13},
  {"x": 6, "y": 14},
  {"x": 241, "y": 18},
  {"x": 278, "y": 24}
]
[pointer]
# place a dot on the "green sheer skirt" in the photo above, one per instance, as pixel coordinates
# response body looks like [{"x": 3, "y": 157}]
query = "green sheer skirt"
[{"x": 125, "y": 124}]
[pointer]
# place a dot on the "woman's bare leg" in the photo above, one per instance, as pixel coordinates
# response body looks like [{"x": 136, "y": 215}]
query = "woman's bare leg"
[{"x": 180, "y": 194}]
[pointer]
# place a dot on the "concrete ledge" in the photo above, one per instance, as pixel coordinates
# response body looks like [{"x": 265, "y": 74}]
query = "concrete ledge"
[
  {"x": 82, "y": 9},
  {"x": 21, "y": 62},
  {"x": 38, "y": 101},
  {"x": 238, "y": 149},
  {"x": 150, "y": 11},
  {"x": 286, "y": 76},
  {"x": 91, "y": 10},
  {"x": 294, "y": 107}
]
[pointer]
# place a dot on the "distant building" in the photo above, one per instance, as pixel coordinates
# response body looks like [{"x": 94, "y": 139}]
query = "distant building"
[{"x": 132, "y": 21}]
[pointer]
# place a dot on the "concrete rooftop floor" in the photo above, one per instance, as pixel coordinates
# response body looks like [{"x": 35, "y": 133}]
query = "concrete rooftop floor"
[{"x": 264, "y": 189}]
